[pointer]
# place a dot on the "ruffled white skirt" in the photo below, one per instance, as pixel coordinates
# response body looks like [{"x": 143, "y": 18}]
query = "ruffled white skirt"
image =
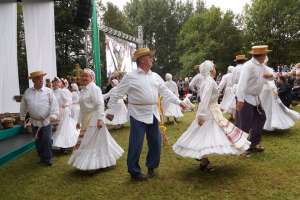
[
  {"x": 228, "y": 102},
  {"x": 278, "y": 116},
  {"x": 97, "y": 150},
  {"x": 66, "y": 135},
  {"x": 120, "y": 113},
  {"x": 210, "y": 139},
  {"x": 171, "y": 110}
]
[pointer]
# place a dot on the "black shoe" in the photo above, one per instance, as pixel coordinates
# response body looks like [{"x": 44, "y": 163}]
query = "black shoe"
[
  {"x": 139, "y": 177},
  {"x": 151, "y": 173}
]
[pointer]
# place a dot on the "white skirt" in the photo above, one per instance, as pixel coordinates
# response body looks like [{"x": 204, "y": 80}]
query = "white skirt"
[
  {"x": 66, "y": 135},
  {"x": 75, "y": 109},
  {"x": 278, "y": 116},
  {"x": 120, "y": 114},
  {"x": 171, "y": 110},
  {"x": 228, "y": 102},
  {"x": 97, "y": 150},
  {"x": 210, "y": 139}
]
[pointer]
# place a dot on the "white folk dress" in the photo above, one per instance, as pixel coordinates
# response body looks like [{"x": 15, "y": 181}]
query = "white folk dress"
[
  {"x": 98, "y": 149},
  {"x": 217, "y": 135},
  {"x": 277, "y": 114},
  {"x": 75, "y": 108},
  {"x": 66, "y": 134},
  {"x": 119, "y": 111},
  {"x": 171, "y": 109},
  {"x": 228, "y": 101}
]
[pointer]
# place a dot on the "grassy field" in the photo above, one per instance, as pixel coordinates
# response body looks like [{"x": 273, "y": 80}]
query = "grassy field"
[{"x": 274, "y": 175}]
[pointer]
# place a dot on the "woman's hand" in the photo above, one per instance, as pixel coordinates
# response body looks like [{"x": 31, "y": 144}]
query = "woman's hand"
[
  {"x": 100, "y": 123},
  {"x": 200, "y": 121}
]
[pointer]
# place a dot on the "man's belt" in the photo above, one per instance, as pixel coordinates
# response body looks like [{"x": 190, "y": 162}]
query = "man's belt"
[{"x": 143, "y": 104}]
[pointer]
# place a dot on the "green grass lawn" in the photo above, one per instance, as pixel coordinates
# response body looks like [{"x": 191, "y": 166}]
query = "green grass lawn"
[{"x": 274, "y": 174}]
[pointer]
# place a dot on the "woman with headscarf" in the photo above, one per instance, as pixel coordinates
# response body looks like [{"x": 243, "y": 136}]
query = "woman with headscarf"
[
  {"x": 96, "y": 148},
  {"x": 278, "y": 116},
  {"x": 227, "y": 104},
  {"x": 210, "y": 133},
  {"x": 170, "y": 109},
  {"x": 75, "y": 101},
  {"x": 119, "y": 110},
  {"x": 66, "y": 134}
]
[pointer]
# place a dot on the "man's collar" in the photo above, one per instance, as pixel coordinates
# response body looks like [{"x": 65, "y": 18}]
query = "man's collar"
[
  {"x": 255, "y": 61},
  {"x": 41, "y": 89},
  {"x": 140, "y": 70}
]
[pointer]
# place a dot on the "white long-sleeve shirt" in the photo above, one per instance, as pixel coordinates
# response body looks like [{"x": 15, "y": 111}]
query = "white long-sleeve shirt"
[
  {"x": 91, "y": 101},
  {"x": 195, "y": 83},
  {"x": 142, "y": 90},
  {"x": 226, "y": 81},
  {"x": 173, "y": 87},
  {"x": 236, "y": 73},
  {"x": 40, "y": 104},
  {"x": 251, "y": 82}
]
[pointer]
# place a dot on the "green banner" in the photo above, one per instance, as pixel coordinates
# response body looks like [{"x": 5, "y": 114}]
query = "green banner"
[{"x": 96, "y": 46}]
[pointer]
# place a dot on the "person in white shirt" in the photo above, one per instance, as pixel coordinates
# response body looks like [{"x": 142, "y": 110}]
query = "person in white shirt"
[
  {"x": 66, "y": 134},
  {"x": 143, "y": 87},
  {"x": 227, "y": 104},
  {"x": 40, "y": 103},
  {"x": 210, "y": 133},
  {"x": 97, "y": 149},
  {"x": 75, "y": 108},
  {"x": 119, "y": 110},
  {"x": 250, "y": 115},
  {"x": 170, "y": 109},
  {"x": 195, "y": 84},
  {"x": 236, "y": 73}
]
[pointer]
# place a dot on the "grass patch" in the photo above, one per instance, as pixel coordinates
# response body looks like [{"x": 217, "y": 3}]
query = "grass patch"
[{"x": 274, "y": 174}]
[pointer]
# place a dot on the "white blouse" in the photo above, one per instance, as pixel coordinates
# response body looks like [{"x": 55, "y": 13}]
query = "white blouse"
[{"x": 91, "y": 102}]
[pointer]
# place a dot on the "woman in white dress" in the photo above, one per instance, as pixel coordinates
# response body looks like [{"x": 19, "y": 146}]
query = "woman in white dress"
[
  {"x": 119, "y": 110},
  {"x": 170, "y": 109},
  {"x": 96, "y": 149},
  {"x": 227, "y": 104},
  {"x": 75, "y": 101},
  {"x": 66, "y": 134},
  {"x": 278, "y": 115},
  {"x": 210, "y": 133}
]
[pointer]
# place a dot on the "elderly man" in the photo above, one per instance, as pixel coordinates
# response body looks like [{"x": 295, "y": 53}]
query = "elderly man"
[
  {"x": 250, "y": 115},
  {"x": 143, "y": 87},
  {"x": 42, "y": 107}
]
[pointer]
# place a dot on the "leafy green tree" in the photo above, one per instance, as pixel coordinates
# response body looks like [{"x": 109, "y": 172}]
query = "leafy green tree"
[
  {"x": 276, "y": 23},
  {"x": 208, "y": 34},
  {"x": 161, "y": 21}
]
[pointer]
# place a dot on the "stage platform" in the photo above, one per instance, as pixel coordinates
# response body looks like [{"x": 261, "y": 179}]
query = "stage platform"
[{"x": 13, "y": 143}]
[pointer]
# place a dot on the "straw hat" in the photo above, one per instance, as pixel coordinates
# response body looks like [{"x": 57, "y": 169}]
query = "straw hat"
[
  {"x": 142, "y": 52},
  {"x": 240, "y": 57},
  {"x": 36, "y": 74},
  {"x": 260, "y": 50}
]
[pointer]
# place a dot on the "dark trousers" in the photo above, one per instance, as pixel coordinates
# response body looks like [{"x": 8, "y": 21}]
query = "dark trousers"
[
  {"x": 251, "y": 119},
  {"x": 136, "y": 140},
  {"x": 43, "y": 143}
]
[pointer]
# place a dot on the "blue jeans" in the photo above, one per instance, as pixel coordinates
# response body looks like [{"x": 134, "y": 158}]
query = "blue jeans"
[
  {"x": 43, "y": 143},
  {"x": 136, "y": 140}
]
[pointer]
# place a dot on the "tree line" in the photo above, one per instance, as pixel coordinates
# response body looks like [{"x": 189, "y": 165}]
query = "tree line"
[{"x": 182, "y": 33}]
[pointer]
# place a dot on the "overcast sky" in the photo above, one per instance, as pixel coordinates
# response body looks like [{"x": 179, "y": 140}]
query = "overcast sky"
[{"x": 235, "y": 5}]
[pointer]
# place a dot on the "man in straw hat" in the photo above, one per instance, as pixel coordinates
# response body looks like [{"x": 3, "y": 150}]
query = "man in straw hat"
[
  {"x": 250, "y": 115},
  {"x": 42, "y": 107},
  {"x": 236, "y": 73},
  {"x": 143, "y": 87}
]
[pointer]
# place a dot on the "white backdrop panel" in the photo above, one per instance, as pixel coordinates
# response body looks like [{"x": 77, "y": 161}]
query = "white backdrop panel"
[
  {"x": 9, "y": 80},
  {"x": 40, "y": 36}
]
